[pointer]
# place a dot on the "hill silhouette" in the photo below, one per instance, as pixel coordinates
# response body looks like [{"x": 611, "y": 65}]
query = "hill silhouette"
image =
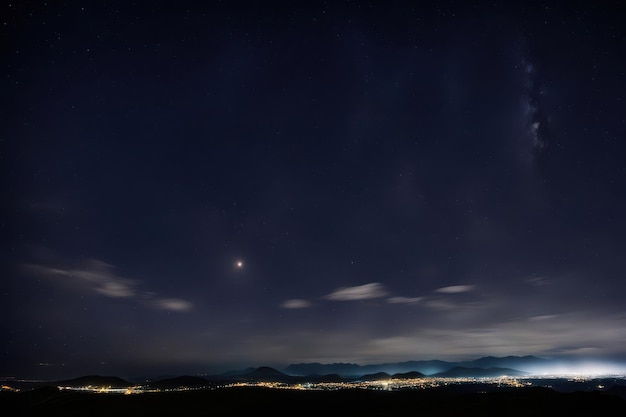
[
  {"x": 265, "y": 374},
  {"x": 378, "y": 376},
  {"x": 408, "y": 375},
  {"x": 94, "y": 381},
  {"x": 617, "y": 390},
  {"x": 184, "y": 381}
]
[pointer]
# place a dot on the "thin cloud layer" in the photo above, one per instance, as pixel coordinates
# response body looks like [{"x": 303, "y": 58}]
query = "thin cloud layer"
[
  {"x": 404, "y": 300},
  {"x": 359, "y": 292},
  {"x": 377, "y": 290},
  {"x": 455, "y": 289},
  {"x": 296, "y": 303},
  {"x": 172, "y": 304},
  {"x": 100, "y": 277}
]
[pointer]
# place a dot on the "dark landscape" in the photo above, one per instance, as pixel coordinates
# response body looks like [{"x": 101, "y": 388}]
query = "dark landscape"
[
  {"x": 458, "y": 388},
  {"x": 241, "y": 401}
]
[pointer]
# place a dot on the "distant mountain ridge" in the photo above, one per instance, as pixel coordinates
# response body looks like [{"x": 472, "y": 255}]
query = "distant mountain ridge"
[
  {"x": 485, "y": 367},
  {"x": 428, "y": 367},
  {"x": 464, "y": 372},
  {"x": 488, "y": 366}
]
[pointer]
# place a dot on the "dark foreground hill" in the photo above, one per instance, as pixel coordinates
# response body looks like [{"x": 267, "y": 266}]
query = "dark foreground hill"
[{"x": 276, "y": 402}]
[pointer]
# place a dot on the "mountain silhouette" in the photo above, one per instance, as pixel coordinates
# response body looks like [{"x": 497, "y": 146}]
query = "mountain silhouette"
[
  {"x": 462, "y": 371},
  {"x": 408, "y": 375},
  {"x": 184, "y": 381},
  {"x": 515, "y": 362},
  {"x": 265, "y": 374},
  {"x": 378, "y": 376},
  {"x": 94, "y": 381},
  {"x": 427, "y": 367}
]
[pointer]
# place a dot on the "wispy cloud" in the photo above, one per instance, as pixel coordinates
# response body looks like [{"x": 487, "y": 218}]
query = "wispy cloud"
[
  {"x": 96, "y": 275},
  {"x": 544, "y": 317},
  {"x": 404, "y": 300},
  {"x": 455, "y": 289},
  {"x": 172, "y": 304},
  {"x": 296, "y": 303},
  {"x": 442, "y": 305},
  {"x": 359, "y": 292},
  {"x": 100, "y": 277},
  {"x": 538, "y": 281}
]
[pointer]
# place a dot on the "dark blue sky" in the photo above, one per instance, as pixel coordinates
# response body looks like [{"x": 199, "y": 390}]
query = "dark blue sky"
[{"x": 201, "y": 186}]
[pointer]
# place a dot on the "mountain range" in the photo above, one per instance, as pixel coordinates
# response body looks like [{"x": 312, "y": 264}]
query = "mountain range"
[
  {"x": 338, "y": 372},
  {"x": 488, "y": 366},
  {"x": 266, "y": 374},
  {"x": 528, "y": 364}
]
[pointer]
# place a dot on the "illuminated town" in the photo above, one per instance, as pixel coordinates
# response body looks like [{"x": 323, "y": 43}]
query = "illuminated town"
[{"x": 391, "y": 384}]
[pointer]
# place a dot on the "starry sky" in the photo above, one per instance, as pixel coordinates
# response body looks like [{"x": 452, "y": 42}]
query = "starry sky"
[{"x": 193, "y": 187}]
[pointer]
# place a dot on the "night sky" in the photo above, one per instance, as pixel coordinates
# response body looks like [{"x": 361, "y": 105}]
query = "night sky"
[{"x": 193, "y": 187}]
